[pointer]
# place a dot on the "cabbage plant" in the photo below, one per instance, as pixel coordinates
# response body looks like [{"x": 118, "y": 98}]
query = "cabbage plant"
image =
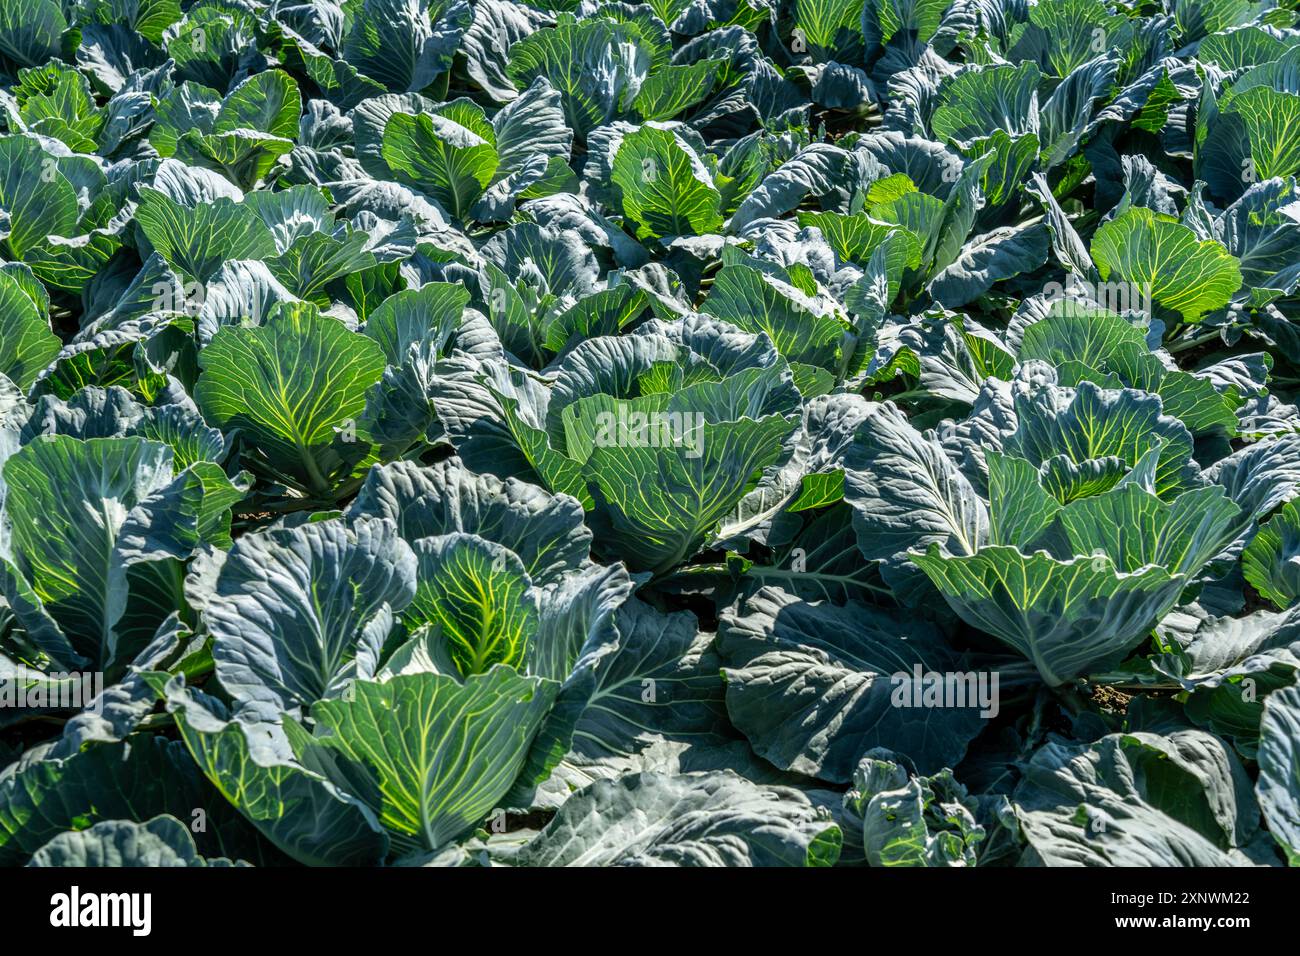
[{"x": 721, "y": 433}]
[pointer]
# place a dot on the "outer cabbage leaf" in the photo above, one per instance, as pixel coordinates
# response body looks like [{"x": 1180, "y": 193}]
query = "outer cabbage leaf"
[
  {"x": 252, "y": 766},
  {"x": 430, "y": 755},
  {"x": 1271, "y": 562},
  {"x": 665, "y": 187},
  {"x": 1136, "y": 800},
  {"x": 296, "y": 613},
  {"x": 1068, "y": 617},
  {"x": 288, "y": 386},
  {"x": 1164, "y": 259},
  {"x": 1278, "y": 788},
  {"x": 905, "y": 492},
  {"x": 545, "y": 531},
  {"x": 717, "y": 819},
  {"x": 813, "y": 685},
  {"x": 405, "y": 44},
  {"x": 162, "y": 841}
]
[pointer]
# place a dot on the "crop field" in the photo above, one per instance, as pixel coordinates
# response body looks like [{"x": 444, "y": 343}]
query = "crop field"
[{"x": 688, "y": 433}]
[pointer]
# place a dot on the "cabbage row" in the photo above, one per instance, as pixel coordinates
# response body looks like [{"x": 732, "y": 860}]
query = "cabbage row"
[{"x": 697, "y": 432}]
